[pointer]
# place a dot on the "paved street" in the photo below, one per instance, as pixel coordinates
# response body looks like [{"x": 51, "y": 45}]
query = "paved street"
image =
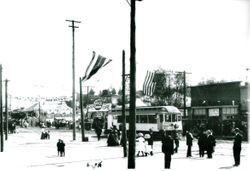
[{"x": 26, "y": 151}]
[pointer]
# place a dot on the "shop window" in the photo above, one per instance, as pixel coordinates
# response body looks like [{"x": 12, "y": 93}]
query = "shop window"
[
  {"x": 199, "y": 112},
  {"x": 229, "y": 110}
]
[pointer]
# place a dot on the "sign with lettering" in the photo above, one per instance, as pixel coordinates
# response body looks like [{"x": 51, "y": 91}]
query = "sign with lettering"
[{"x": 213, "y": 112}]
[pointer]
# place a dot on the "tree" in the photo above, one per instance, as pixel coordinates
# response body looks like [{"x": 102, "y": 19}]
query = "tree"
[
  {"x": 113, "y": 91},
  {"x": 169, "y": 88},
  {"x": 105, "y": 93},
  {"x": 91, "y": 92},
  {"x": 210, "y": 81}
]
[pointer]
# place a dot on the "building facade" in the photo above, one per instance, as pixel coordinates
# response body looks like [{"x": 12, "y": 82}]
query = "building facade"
[{"x": 220, "y": 107}]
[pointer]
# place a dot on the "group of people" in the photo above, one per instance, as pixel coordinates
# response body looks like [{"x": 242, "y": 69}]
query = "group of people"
[
  {"x": 45, "y": 134},
  {"x": 206, "y": 142},
  {"x": 145, "y": 144},
  {"x": 60, "y": 148},
  {"x": 113, "y": 137}
]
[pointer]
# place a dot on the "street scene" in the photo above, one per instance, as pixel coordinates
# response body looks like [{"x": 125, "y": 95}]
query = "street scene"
[
  {"x": 124, "y": 84},
  {"x": 26, "y": 151}
]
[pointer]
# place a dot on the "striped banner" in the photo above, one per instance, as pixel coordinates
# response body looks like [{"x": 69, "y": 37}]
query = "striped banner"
[
  {"x": 149, "y": 84},
  {"x": 95, "y": 65}
]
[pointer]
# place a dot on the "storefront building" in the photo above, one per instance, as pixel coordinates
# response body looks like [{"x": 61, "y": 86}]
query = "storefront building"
[{"x": 220, "y": 107}]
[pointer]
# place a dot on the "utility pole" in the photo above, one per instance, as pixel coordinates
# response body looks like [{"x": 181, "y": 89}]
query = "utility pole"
[
  {"x": 73, "y": 75},
  {"x": 247, "y": 69},
  {"x": 1, "y": 110},
  {"x": 82, "y": 114},
  {"x": 124, "y": 130},
  {"x": 6, "y": 109},
  {"x": 132, "y": 102},
  {"x": 184, "y": 91}
]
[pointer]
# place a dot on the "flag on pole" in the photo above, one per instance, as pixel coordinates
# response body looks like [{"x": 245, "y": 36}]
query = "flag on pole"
[
  {"x": 149, "y": 84},
  {"x": 95, "y": 65}
]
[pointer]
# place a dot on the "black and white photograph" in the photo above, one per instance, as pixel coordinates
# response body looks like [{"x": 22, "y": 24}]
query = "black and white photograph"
[{"x": 124, "y": 84}]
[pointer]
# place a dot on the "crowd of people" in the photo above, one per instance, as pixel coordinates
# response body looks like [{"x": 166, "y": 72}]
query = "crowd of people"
[
  {"x": 206, "y": 143},
  {"x": 170, "y": 143}
]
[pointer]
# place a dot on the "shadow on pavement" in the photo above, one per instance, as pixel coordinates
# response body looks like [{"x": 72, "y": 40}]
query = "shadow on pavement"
[{"x": 226, "y": 167}]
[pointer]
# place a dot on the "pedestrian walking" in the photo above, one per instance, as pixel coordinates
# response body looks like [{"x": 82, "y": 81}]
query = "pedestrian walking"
[
  {"x": 237, "y": 146},
  {"x": 210, "y": 144},
  {"x": 60, "y": 148},
  {"x": 97, "y": 125},
  {"x": 189, "y": 143},
  {"x": 98, "y": 131},
  {"x": 176, "y": 139},
  {"x": 167, "y": 149},
  {"x": 202, "y": 139},
  {"x": 140, "y": 144},
  {"x": 43, "y": 135}
]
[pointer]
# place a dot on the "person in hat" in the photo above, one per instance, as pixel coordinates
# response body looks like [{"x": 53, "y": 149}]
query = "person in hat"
[
  {"x": 210, "y": 144},
  {"x": 237, "y": 146},
  {"x": 167, "y": 149},
  {"x": 189, "y": 143},
  {"x": 141, "y": 144}
]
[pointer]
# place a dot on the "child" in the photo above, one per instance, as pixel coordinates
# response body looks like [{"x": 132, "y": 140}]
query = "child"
[{"x": 141, "y": 144}]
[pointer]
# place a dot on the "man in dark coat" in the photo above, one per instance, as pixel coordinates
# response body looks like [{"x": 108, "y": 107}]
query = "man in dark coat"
[
  {"x": 189, "y": 142},
  {"x": 58, "y": 147},
  {"x": 210, "y": 144},
  {"x": 202, "y": 139},
  {"x": 167, "y": 149},
  {"x": 237, "y": 147}
]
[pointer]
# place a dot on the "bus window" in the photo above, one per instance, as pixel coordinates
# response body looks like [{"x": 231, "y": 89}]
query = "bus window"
[
  {"x": 152, "y": 119},
  {"x": 119, "y": 119},
  {"x": 143, "y": 119},
  {"x": 167, "y": 118},
  {"x": 179, "y": 117},
  {"x": 161, "y": 118},
  {"x": 173, "y": 117},
  {"x": 138, "y": 119}
]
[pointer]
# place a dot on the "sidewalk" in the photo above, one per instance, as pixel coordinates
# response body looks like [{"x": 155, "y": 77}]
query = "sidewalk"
[{"x": 26, "y": 151}]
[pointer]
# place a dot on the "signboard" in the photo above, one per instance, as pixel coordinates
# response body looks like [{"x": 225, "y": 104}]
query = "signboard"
[
  {"x": 98, "y": 104},
  {"x": 213, "y": 112}
]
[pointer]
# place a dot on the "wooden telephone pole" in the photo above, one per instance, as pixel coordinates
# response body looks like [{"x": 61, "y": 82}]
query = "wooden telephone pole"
[
  {"x": 1, "y": 112},
  {"x": 124, "y": 130},
  {"x": 6, "y": 110},
  {"x": 73, "y": 75}
]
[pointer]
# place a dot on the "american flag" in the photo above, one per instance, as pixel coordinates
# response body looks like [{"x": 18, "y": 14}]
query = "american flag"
[
  {"x": 149, "y": 84},
  {"x": 95, "y": 65}
]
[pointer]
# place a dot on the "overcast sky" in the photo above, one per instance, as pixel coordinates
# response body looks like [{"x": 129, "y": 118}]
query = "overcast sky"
[{"x": 208, "y": 38}]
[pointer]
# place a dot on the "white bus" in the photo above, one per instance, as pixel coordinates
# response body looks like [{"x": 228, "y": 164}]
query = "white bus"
[{"x": 157, "y": 118}]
